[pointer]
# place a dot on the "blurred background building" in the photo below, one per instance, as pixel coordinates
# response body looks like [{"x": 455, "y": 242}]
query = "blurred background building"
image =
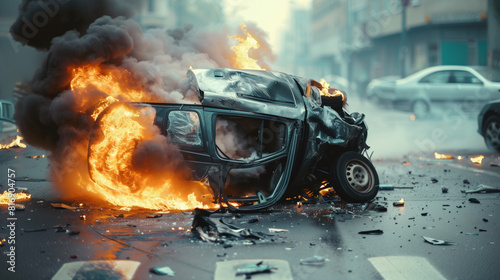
[{"x": 360, "y": 40}]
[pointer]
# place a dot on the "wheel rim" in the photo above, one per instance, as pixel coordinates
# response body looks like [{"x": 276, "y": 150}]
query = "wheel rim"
[
  {"x": 492, "y": 135},
  {"x": 359, "y": 176},
  {"x": 420, "y": 108}
]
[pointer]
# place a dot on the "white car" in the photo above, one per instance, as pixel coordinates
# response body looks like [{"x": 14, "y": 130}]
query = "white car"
[{"x": 467, "y": 85}]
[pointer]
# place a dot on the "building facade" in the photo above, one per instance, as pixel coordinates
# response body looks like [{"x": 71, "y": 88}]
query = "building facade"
[{"x": 362, "y": 40}]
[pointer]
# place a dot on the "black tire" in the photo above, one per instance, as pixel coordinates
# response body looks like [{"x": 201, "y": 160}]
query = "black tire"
[
  {"x": 491, "y": 133},
  {"x": 420, "y": 108},
  {"x": 354, "y": 178}
]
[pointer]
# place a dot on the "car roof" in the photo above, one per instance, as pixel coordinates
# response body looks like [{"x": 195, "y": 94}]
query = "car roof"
[{"x": 258, "y": 91}]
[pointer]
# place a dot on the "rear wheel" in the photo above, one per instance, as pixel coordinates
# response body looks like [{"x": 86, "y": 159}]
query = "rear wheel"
[
  {"x": 354, "y": 178},
  {"x": 492, "y": 133}
]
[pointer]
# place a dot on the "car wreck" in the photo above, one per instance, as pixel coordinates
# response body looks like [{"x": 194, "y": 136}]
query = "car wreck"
[{"x": 257, "y": 135}]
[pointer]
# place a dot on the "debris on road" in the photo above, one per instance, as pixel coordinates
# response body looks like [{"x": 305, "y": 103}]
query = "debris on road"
[
  {"x": 434, "y": 180},
  {"x": 372, "y": 232},
  {"x": 314, "y": 260},
  {"x": 228, "y": 269},
  {"x": 483, "y": 189},
  {"x": 210, "y": 230},
  {"x": 399, "y": 203},
  {"x": 434, "y": 241},
  {"x": 473, "y": 200},
  {"x": 392, "y": 187},
  {"x": 165, "y": 270},
  {"x": 153, "y": 215},
  {"x": 253, "y": 220},
  {"x": 466, "y": 181},
  {"x": 251, "y": 269},
  {"x": 62, "y": 206},
  {"x": 276, "y": 230}
]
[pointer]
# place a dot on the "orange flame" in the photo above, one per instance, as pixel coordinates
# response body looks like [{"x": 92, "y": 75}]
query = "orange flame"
[
  {"x": 15, "y": 143},
  {"x": 242, "y": 60},
  {"x": 477, "y": 159},
  {"x": 330, "y": 92},
  {"x": 121, "y": 130},
  {"x": 20, "y": 196},
  {"x": 442, "y": 156}
]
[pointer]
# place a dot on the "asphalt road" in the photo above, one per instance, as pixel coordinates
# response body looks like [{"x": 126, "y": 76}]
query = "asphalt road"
[
  {"x": 327, "y": 229},
  {"x": 324, "y": 229}
]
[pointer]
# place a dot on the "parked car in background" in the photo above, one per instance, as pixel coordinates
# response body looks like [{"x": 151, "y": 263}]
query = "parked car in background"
[
  {"x": 436, "y": 85},
  {"x": 489, "y": 125}
]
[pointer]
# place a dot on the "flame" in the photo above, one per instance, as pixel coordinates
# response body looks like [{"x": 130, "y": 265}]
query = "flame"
[
  {"x": 122, "y": 128},
  {"x": 330, "y": 92},
  {"x": 15, "y": 143},
  {"x": 442, "y": 156},
  {"x": 242, "y": 60},
  {"x": 477, "y": 159},
  {"x": 20, "y": 196}
]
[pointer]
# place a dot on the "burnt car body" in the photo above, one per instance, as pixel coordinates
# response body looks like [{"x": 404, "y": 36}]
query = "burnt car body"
[
  {"x": 259, "y": 134},
  {"x": 489, "y": 125}
]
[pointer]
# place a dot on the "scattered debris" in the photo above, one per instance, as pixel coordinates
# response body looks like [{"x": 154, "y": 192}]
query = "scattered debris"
[
  {"x": 19, "y": 207},
  {"x": 275, "y": 230},
  {"x": 212, "y": 231},
  {"x": 71, "y": 232},
  {"x": 434, "y": 241},
  {"x": 372, "y": 232},
  {"x": 153, "y": 215},
  {"x": 466, "y": 181},
  {"x": 314, "y": 260},
  {"x": 162, "y": 270},
  {"x": 62, "y": 206},
  {"x": 399, "y": 203},
  {"x": 251, "y": 269},
  {"x": 383, "y": 187},
  {"x": 74, "y": 256},
  {"x": 253, "y": 220},
  {"x": 482, "y": 230},
  {"x": 83, "y": 217},
  {"x": 485, "y": 220},
  {"x": 473, "y": 200},
  {"x": 483, "y": 189},
  {"x": 444, "y": 189},
  {"x": 471, "y": 233},
  {"x": 424, "y": 214},
  {"x": 434, "y": 180},
  {"x": 119, "y": 216}
]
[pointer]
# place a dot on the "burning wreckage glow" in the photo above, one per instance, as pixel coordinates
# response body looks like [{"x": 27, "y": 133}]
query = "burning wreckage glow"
[
  {"x": 15, "y": 143},
  {"x": 113, "y": 167},
  {"x": 122, "y": 130},
  {"x": 6, "y": 197}
]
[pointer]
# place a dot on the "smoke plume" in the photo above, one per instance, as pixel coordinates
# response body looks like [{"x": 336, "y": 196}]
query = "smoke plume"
[{"x": 99, "y": 35}]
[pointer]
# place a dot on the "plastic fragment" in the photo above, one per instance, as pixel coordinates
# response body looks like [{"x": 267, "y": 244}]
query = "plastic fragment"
[
  {"x": 274, "y": 230},
  {"x": 62, "y": 206},
  {"x": 444, "y": 190},
  {"x": 314, "y": 260},
  {"x": 372, "y": 232},
  {"x": 483, "y": 189},
  {"x": 253, "y": 220},
  {"x": 154, "y": 215},
  {"x": 250, "y": 269},
  {"x": 165, "y": 270},
  {"x": 473, "y": 200},
  {"x": 434, "y": 241}
]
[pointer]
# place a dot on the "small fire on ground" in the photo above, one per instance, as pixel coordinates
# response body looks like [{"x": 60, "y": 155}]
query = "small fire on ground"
[
  {"x": 10, "y": 198},
  {"x": 16, "y": 143}
]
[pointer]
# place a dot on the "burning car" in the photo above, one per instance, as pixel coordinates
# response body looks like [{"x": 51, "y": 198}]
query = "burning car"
[{"x": 256, "y": 135}]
